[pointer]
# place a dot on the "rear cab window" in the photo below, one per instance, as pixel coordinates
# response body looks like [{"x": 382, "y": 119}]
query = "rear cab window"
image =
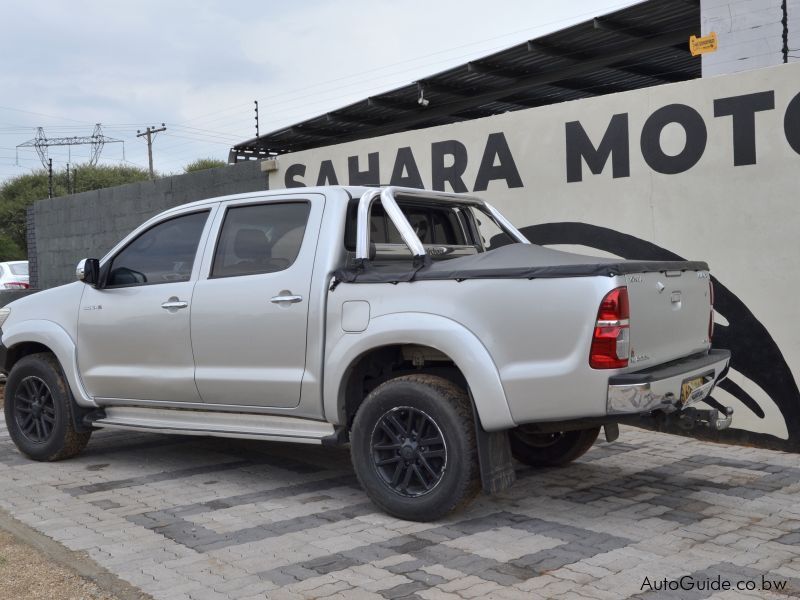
[{"x": 446, "y": 229}]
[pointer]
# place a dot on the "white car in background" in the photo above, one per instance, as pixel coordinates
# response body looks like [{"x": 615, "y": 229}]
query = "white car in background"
[{"x": 14, "y": 275}]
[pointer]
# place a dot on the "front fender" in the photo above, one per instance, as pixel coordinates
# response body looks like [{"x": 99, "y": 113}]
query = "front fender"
[
  {"x": 53, "y": 336},
  {"x": 440, "y": 333}
]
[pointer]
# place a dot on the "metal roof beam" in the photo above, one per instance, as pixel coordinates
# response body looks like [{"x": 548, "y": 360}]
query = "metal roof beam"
[
  {"x": 684, "y": 47},
  {"x": 553, "y": 51},
  {"x": 430, "y": 86},
  {"x": 564, "y": 54},
  {"x": 516, "y": 76},
  {"x": 523, "y": 102},
  {"x": 436, "y": 87},
  {"x": 456, "y": 118},
  {"x": 334, "y": 118},
  {"x": 585, "y": 87},
  {"x": 596, "y": 89},
  {"x": 388, "y": 104},
  {"x": 313, "y": 132},
  {"x": 631, "y": 31},
  {"x": 501, "y": 72},
  {"x": 665, "y": 76}
]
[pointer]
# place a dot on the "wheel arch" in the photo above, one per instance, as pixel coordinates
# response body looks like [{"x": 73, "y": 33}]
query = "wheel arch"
[
  {"x": 388, "y": 334},
  {"x": 30, "y": 337}
]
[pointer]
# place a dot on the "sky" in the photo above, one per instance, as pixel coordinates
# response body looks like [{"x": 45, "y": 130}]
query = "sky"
[{"x": 197, "y": 66}]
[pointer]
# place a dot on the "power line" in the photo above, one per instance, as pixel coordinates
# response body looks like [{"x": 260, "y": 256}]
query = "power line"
[
  {"x": 215, "y": 112},
  {"x": 42, "y": 114}
]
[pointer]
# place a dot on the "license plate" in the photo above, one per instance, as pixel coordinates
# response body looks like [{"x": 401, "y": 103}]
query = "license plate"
[{"x": 690, "y": 385}]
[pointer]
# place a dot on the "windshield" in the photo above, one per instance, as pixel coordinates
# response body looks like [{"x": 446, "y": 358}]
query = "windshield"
[{"x": 20, "y": 268}]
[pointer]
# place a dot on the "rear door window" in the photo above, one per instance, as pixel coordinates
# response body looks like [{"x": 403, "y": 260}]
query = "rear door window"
[{"x": 260, "y": 238}]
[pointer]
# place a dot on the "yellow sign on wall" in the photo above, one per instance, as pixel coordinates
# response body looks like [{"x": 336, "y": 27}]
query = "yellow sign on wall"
[{"x": 704, "y": 44}]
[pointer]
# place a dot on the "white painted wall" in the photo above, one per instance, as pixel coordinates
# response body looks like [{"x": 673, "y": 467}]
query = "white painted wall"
[
  {"x": 750, "y": 34},
  {"x": 744, "y": 220}
]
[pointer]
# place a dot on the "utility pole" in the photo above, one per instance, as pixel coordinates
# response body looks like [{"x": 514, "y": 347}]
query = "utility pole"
[
  {"x": 49, "y": 177},
  {"x": 150, "y": 134},
  {"x": 256, "y": 103},
  {"x": 68, "y": 190}
]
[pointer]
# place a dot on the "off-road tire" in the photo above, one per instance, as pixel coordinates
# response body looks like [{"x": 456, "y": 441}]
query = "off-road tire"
[
  {"x": 62, "y": 441},
  {"x": 449, "y": 412},
  {"x": 539, "y": 450}
]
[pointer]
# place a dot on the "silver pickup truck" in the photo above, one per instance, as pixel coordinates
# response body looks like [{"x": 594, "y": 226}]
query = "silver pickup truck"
[{"x": 421, "y": 327}]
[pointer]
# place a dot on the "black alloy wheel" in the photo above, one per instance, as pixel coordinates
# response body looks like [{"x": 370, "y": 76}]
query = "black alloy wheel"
[
  {"x": 409, "y": 451},
  {"x": 39, "y": 410},
  {"x": 34, "y": 409},
  {"x": 413, "y": 447}
]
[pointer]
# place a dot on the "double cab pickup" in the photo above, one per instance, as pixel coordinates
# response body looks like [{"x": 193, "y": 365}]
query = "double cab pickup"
[{"x": 419, "y": 327}]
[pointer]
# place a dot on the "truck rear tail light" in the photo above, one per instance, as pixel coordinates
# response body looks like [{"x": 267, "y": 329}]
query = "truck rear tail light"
[
  {"x": 611, "y": 342},
  {"x": 711, "y": 316}
]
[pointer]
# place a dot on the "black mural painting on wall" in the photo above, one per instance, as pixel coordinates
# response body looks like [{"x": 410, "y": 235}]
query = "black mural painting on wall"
[{"x": 754, "y": 353}]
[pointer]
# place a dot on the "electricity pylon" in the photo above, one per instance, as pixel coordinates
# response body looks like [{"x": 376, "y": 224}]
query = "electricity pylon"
[{"x": 97, "y": 140}]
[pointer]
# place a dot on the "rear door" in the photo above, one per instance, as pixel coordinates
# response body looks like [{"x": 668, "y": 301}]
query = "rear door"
[{"x": 250, "y": 312}]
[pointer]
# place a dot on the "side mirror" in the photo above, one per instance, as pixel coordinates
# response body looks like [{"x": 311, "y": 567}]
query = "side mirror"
[{"x": 88, "y": 271}]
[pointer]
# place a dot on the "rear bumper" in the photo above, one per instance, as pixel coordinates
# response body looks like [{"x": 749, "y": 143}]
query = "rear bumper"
[{"x": 659, "y": 388}]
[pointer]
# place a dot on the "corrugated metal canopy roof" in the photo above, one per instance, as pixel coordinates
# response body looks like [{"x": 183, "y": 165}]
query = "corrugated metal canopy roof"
[{"x": 639, "y": 46}]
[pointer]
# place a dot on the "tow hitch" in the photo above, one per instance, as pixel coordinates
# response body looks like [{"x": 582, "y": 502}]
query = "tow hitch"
[
  {"x": 714, "y": 418},
  {"x": 689, "y": 418}
]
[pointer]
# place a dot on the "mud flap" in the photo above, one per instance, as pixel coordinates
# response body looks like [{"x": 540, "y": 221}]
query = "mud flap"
[{"x": 494, "y": 457}]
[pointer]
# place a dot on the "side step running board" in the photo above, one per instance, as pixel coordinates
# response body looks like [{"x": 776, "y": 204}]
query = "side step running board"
[{"x": 217, "y": 424}]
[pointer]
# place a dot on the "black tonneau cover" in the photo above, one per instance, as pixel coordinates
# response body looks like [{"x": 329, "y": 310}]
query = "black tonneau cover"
[{"x": 515, "y": 261}]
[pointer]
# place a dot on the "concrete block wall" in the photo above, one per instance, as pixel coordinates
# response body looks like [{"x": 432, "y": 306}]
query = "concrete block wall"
[{"x": 64, "y": 230}]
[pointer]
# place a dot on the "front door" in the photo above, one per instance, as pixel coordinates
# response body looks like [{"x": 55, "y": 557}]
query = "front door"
[
  {"x": 133, "y": 334},
  {"x": 249, "y": 316}
]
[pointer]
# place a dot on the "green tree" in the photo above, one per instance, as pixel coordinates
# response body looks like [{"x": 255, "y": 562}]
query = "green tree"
[
  {"x": 87, "y": 177},
  {"x": 9, "y": 250},
  {"x": 201, "y": 164},
  {"x": 18, "y": 193}
]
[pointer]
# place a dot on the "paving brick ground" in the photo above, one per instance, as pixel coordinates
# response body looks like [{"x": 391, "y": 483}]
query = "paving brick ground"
[{"x": 195, "y": 518}]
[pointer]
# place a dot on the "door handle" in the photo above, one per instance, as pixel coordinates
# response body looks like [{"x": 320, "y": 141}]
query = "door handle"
[
  {"x": 174, "y": 304},
  {"x": 288, "y": 299}
]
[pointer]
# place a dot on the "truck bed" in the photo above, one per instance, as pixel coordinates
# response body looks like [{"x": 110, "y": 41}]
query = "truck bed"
[{"x": 515, "y": 261}]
